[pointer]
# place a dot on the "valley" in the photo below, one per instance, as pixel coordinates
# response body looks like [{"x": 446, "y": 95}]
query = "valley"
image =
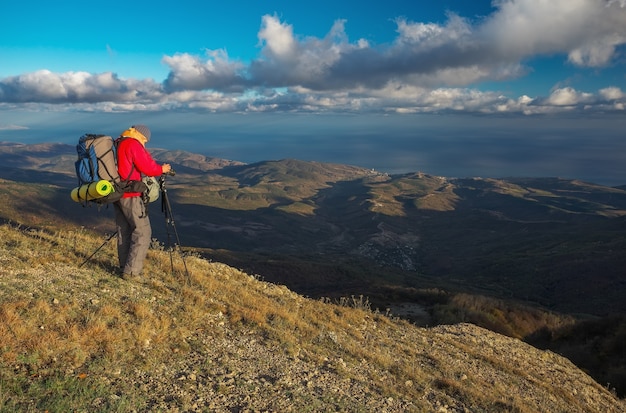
[{"x": 531, "y": 258}]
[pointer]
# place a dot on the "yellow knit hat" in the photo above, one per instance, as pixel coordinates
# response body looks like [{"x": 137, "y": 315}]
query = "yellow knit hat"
[{"x": 137, "y": 131}]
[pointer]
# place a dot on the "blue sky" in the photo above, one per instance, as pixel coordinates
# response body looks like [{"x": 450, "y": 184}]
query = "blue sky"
[{"x": 456, "y": 87}]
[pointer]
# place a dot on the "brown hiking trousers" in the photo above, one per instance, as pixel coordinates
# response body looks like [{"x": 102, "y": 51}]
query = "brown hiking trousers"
[{"x": 134, "y": 234}]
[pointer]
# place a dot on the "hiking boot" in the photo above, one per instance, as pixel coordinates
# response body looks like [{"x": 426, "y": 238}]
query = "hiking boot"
[{"x": 129, "y": 276}]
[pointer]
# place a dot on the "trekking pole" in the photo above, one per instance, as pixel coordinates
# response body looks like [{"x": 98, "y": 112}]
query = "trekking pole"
[
  {"x": 166, "y": 208},
  {"x": 98, "y": 249}
]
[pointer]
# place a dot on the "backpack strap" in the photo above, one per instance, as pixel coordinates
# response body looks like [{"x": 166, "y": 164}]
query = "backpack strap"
[{"x": 104, "y": 164}]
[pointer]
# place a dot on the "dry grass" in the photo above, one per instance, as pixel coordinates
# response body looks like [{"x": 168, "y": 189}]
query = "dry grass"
[
  {"x": 64, "y": 327},
  {"x": 83, "y": 321},
  {"x": 505, "y": 317},
  {"x": 106, "y": 312}
]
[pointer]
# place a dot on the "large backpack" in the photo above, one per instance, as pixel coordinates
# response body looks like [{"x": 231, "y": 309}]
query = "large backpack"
[
  {"x": 96, "y": 168},
  {"x": 98, "y": 178}
]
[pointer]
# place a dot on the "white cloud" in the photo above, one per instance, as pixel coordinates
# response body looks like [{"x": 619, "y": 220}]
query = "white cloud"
[
  {"x": 428, "y": 67},
  {"x": 107, "y": 93},
  {"x": 285, "y": 61},
  {"x": 191, "y": 73},
  {"x": 612, "y": 93},
  {"x": 12, "y": 127},
  {"x": 457, "y": 53},
  {"x": 566, "y": 97},
  {"x": 586, "y": 30},
  {"x": 278, "y": 38},
  {"x": 622, "y": 3},
  {"x": 47, "y": 87}
]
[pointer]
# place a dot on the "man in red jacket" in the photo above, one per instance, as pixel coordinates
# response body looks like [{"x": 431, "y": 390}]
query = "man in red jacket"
[{"x": 131, "y": 215}]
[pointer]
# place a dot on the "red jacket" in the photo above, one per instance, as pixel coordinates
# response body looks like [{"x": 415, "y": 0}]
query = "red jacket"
[{"x": 133, "y": 160}]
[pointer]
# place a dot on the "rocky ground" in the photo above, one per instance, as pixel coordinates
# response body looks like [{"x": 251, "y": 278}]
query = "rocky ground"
[
  {"x": 293, "y": 355},
  {"x": 463, "y": 368}
]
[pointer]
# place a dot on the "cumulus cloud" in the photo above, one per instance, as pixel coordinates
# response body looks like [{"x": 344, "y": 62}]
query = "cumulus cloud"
[
  {"x": 612, "y": 93},
  {"x": 566, "y": 97},
  {"x": 586, "y": 30},
  {"x": 428, "y": 67},
  {"x": 456, "y": 53},
  {"x": 47, "y": 87},
  {"x": 286, "y": 61},
  {"x": 192, "y": 73}
]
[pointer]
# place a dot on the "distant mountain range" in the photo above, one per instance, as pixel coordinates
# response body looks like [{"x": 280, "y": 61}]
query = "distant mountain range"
[
  {"x": 557, "y": 243},
  {"x": 539, "y": 245}
]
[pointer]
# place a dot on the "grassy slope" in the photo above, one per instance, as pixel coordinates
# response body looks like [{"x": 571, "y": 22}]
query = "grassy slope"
[
  {"x": 215, "y": 338},
  {"x": 547, "y": 241}
]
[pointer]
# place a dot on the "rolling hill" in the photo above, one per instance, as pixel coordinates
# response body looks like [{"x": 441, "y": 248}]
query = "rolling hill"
[
  {"x": 533, "y": 258},
  {"x": 537, "y": 240},
  {"x": 208, "y": 337}
]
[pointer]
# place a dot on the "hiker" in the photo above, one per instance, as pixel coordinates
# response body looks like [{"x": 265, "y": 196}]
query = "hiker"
[{"x": 131, "y": 215}]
